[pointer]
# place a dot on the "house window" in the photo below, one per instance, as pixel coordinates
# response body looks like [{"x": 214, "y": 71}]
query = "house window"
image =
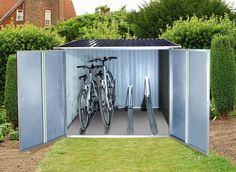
[
  {"x": 48, "y": 17},
  {"x": 19, "y": 15}
]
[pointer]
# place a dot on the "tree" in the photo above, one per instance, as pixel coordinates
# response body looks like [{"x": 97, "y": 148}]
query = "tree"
[
  {"x": 103, "y": 10},
  {"x": 94, "y": 24},
  {"x": 102, "y": 30},
  {"x": 223, "y": 74},
  {"x": 11, "y": 91},
  {"x": 155, "y": 16}
]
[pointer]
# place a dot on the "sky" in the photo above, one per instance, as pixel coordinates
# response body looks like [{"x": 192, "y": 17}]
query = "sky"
[{"x": 88, "y": 6}]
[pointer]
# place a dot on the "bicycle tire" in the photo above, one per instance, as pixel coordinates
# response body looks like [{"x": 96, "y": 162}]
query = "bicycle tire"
[
  {"x": 110, "y": 75},
  {"x": 83, "y": 113},
  {"x": 105, "y": 112},
  {"x": 111, "y": 87}
]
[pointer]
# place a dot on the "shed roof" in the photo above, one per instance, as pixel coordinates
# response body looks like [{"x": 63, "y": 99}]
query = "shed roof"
[{"x": 108, "y": 43}]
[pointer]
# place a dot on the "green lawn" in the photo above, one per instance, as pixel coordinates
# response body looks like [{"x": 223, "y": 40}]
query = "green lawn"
[
  {"x": 129, "y": 155},
  {"x": 233, "y": 113}
]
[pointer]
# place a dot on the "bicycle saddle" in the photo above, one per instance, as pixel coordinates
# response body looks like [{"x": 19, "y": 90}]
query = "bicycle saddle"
[{"x": 84, "y": 77}]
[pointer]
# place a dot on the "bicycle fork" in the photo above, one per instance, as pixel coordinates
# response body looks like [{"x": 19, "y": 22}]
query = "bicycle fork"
[{"x": 89, "y": 92}]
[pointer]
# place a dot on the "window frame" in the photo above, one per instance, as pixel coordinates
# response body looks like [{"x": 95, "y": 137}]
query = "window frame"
[
  {"x": 19, "y": 15},
  {"x": 47, "y": 17}
]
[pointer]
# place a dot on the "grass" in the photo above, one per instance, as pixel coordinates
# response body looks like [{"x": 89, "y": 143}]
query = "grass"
[
  {"x": 129, "y": 155},
  {"x": 233, "y": 113}
]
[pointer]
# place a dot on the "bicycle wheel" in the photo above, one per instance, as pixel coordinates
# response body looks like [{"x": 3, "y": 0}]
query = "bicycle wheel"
[
  {"x": 110, "y": 75},
  {"x": 83, "y": 112},
  {"x": 106, "y": 112},
  {"x": 111, "y": 87}
]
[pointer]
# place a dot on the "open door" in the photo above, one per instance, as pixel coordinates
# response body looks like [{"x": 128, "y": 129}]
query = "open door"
[
  {"x": 189, "y": 97},
  {"x": 41, "y": 97}
]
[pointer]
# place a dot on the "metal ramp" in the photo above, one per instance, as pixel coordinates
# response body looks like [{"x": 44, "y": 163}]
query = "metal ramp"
[{"x": 129, "y": 106}]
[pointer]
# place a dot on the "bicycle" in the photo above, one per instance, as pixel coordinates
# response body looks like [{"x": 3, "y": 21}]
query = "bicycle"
[
  {"x": 106, "y": 91},
  {"x": 87, "y": 103}
]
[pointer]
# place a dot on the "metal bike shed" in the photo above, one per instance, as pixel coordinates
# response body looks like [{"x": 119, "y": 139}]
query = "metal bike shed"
[{"x": 48, "y": 86}]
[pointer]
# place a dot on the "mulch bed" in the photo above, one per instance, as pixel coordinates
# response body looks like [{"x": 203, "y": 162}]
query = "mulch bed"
[
  {"x": 223, "y": 137},
  {"x": 12, "y": 160},
  {"x": 222, "y": 140}
]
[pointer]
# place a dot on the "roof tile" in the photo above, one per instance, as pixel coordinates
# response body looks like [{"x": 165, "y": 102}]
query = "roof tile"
[
  {"x": 5, "y": 6},
  {"x": 69, "y": 9}
]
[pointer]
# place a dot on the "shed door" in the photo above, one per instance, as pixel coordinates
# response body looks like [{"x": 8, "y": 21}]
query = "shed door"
[
  {"x": 189, "y": 97},
  {"x": 41, "y": 97}
]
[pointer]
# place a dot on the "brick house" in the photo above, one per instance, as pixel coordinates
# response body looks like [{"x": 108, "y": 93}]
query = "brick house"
[{"x": 39, "y": 12}]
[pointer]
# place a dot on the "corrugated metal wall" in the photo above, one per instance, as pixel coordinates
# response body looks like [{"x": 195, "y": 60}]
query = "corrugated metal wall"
[
  {"x": 129, "y": 69},
  {"x": 164, "y": 84},
  {"x": 72, "y": 84},
  {"x": 41, "y": 96}
]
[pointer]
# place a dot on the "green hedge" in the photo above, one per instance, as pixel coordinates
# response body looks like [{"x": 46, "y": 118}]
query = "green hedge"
[
  {"x": 90, "y": 26},
  {"x": 24, "y": 37},
  {"x": 11, "y": 91},
  {"x": 1, "y": 136},
  {"x": 198, "y": 32},
  {"x": 3, "y": 116},
  {"x": 223, "y": 74}
]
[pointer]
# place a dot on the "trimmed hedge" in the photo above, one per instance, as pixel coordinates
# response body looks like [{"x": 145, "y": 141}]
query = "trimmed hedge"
[
  {"x": 3, "y": 117},
  {"x": 23, "y": 37},
  {"x": 223, "y": 74},
  {"x": 11, "y": 91},
  {"x": 198, "y": 32}
]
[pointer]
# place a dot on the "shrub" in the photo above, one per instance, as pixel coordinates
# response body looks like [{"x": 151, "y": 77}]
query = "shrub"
[
  {"x": 14, "y": 135},
  {"x": 1, "y": 136},
  {"x": 154, "y": 16},
  {"x": 23, "y": 37},
  {"x": 3, "y": 116},
  {"x": 213, "y": 111},
  {"x": 11, "y": 91},
  {"x": 6, "y": 128},
  {"x": 102, "y": 30},
  {"x": 223, "y": 74},
  {"x": 198, "y": 32},
  {"x": 96, "y": 25}
]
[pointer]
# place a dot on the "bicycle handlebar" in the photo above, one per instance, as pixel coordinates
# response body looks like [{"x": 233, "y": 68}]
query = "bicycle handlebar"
[
  {"x": 89, "y": 67},
  {"x": 102, "y": 59}
]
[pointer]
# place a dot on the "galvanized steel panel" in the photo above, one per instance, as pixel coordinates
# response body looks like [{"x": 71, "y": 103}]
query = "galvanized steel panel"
[
  {"x": 73, "y": 84},
  {"x": 164, "y": 83},
  {"x": 29, "y": 99},
  {"x": 55, "y": 94},
  {"x": 198, "y": 119},
  {"x": 178, "y": 92}
]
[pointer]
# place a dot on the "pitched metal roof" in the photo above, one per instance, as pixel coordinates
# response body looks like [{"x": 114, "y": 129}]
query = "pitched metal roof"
[{"x": 120, "y": 43}]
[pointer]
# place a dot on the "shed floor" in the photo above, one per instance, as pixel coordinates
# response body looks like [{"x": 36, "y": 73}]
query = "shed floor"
[{"x": 120, "y": 123}]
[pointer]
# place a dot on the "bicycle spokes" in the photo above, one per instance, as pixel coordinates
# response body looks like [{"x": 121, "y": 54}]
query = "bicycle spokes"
[{"x": 94, "y": 93}]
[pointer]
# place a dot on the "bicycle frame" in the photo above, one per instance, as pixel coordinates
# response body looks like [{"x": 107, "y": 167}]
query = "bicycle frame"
[
  {"x": 87, "y": 86},
  {"x": 104, "y": 83}
]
